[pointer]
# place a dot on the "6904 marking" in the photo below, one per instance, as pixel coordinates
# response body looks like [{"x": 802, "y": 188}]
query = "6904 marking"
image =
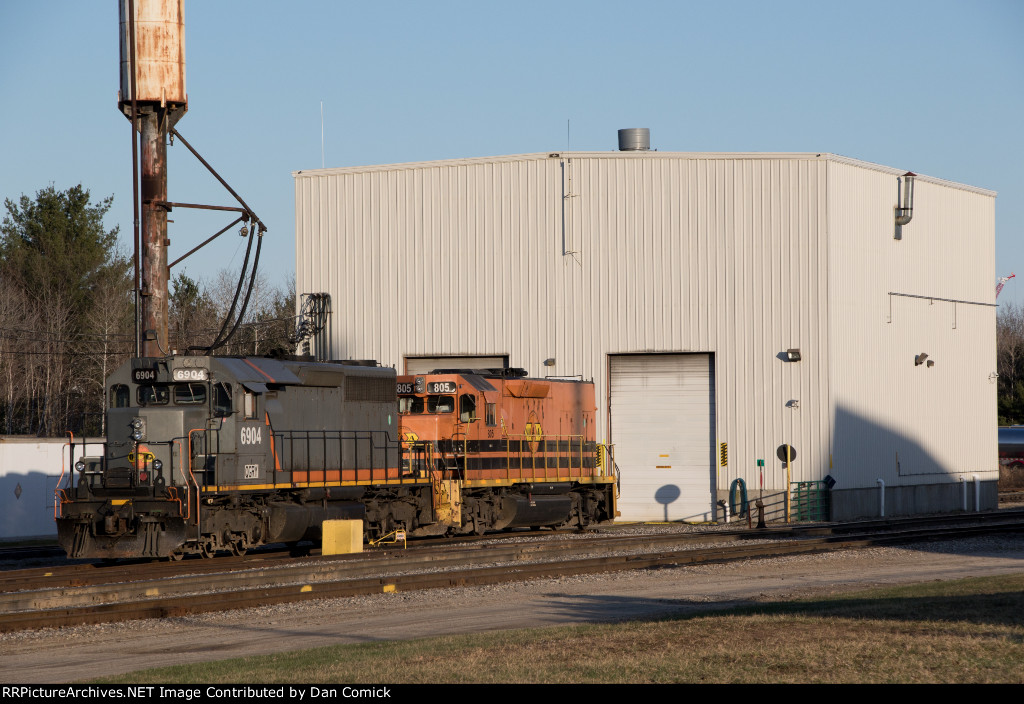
[{"x": 251, "y": 435}]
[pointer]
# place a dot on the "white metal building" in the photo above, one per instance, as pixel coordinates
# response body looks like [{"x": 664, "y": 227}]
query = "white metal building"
[
  {"x": 30, "y": 469},
  {"x": 678, "y": 282}
]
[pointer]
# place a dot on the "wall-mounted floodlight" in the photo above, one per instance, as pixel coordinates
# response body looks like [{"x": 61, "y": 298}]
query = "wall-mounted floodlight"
[
  {"x": 549, "y": 362},
  {"x": 793, "y": 355},
  {"x": 920, "y": 359},
  {"x": 905, "y": 209}
]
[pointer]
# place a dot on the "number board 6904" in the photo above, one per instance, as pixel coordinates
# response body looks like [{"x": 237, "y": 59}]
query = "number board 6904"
[
  {"x": 189, "y": 374},
  {"x": 441, "y": 387}
]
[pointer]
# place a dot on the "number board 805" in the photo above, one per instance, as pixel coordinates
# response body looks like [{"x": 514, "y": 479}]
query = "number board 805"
[{"x": 441, "y": 387}]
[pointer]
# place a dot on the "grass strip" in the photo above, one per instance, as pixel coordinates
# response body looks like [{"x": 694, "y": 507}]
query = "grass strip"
[{"x": 962, "y": 631}]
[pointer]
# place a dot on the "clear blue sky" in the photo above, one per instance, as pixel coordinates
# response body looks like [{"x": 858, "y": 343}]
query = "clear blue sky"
[{"x": 929, "y": 86}]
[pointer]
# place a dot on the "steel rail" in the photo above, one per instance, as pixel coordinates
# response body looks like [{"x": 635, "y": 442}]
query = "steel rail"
[{"x": 302, "y": 590}]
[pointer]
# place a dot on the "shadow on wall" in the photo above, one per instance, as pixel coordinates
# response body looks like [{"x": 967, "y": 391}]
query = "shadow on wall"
[
  {"x": 917, "y": 479},
  {"x": 26, "y": 505},
  {"x": 667, "y": 494},
  {"x": 893, "y": 453}
]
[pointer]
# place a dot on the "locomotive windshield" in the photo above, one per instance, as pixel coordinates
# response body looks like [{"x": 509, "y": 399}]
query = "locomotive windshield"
[
  {"x": 120, "y": 396},
  {"x": 430, "y": 404},
  {"x": 410, "y": 404},
  {"x": 153, "y": 395},
  {"x": 440, "y": 404},
  {"x": 189, "y": 394},
  {"x": 161, "y": 395}
]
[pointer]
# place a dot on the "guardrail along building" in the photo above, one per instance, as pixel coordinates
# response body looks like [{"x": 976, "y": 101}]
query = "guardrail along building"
[{"x": 725, "y": 305}]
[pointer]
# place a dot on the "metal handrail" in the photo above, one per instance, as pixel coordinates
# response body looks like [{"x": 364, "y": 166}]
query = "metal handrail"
[
  {"x": 543, "y": 441},
  {"x": 319, "y": 444}
]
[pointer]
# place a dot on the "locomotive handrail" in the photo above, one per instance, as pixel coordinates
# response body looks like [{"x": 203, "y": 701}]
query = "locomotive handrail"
[
  {"x": 57, "y": 505},
  {"x": 300, "y": 451},
  {"x": 544, "y": 449},
  {"x": 192, "y": 475},
  {"x": 171, "y": 491}
]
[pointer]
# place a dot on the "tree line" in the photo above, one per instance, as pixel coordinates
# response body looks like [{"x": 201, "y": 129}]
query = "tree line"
[
  {"x": 67, "y": 313},
  {"x": 1010, "y": 363},
  {"x": 67, "y": 317}
]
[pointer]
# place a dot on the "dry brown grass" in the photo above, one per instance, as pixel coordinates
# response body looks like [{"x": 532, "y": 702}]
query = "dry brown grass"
[{"x": 969, "y": 631}]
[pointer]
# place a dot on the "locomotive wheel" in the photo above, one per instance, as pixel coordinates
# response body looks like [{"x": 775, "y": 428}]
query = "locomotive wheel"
[
  {"x": 206, "y": 549},
  {"x": 238, "y": 547},
  {"x": 176, "y": 556}
]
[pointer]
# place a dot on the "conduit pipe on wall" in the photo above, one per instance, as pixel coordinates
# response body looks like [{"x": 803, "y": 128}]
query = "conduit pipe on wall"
[
  {"x": 963, "y": 494},
  {"x": 881, "y": 498},
  {"x": 977, "y": 493}
]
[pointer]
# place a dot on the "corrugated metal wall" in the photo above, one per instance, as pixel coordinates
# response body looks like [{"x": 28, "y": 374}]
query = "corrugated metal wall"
[
  {"x": 30, "y": 469},
  {"x": 894, "y": 420},
  {"x": 578, "y": 256}
]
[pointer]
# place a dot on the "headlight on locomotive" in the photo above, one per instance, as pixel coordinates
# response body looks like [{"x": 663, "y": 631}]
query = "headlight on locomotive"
[{"x": 138, "y": 429}]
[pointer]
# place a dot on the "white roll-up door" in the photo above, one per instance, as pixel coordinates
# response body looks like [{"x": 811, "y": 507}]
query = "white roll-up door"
[
  {"x": 423, "y": 365},
  {"x": 663, "y": 428}
]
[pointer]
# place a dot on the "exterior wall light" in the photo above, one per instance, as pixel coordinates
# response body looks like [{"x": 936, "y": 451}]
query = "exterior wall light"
[
  {"x": 549, "y": 362},
  {"x": 793, "y": 355},
  {"x": 920, "y": 359}
]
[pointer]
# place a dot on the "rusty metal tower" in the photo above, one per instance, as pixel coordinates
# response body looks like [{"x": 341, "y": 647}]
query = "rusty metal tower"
[{"x": 153, "y": 97}]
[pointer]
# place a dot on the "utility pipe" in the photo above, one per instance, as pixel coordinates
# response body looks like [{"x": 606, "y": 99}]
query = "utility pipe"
[
  {"x": 977, "y": 493},
  {"x": 881, "y": 498}
]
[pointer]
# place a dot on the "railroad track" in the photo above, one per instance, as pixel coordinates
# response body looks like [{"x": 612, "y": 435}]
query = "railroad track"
[{"x": 131, "y": 593}]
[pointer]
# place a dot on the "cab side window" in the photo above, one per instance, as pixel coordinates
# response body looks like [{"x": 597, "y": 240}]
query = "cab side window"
[
  {"x": 467, "y": 408},
  {"x": 489, "y": 415},
  {"x": 222, "y": 400},
  {"x": 250, "y": 405}
]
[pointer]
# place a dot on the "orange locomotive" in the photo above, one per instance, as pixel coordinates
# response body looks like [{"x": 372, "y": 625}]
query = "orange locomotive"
[{"x": 504, "y": 450}]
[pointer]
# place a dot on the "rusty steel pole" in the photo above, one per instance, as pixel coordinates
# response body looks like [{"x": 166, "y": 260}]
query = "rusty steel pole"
[
  {"x": 154, "y": 234},
  {"x": 153, "y": 97}
]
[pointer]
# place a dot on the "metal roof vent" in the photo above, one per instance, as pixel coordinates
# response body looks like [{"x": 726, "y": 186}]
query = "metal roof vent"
[{"x": 635, "y": 139}]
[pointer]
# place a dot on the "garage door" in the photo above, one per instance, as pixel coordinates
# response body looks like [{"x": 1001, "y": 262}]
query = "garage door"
[
  {"x": 423, "y": 365},
  {"x": 663, "y": 427}
]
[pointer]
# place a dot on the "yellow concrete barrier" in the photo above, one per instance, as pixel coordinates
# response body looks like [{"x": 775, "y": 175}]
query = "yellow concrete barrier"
[{"x": 342, "y": 536}]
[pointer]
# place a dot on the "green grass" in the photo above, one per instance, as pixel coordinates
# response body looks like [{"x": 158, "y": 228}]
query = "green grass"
[{"x": 964, "y": 631}]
